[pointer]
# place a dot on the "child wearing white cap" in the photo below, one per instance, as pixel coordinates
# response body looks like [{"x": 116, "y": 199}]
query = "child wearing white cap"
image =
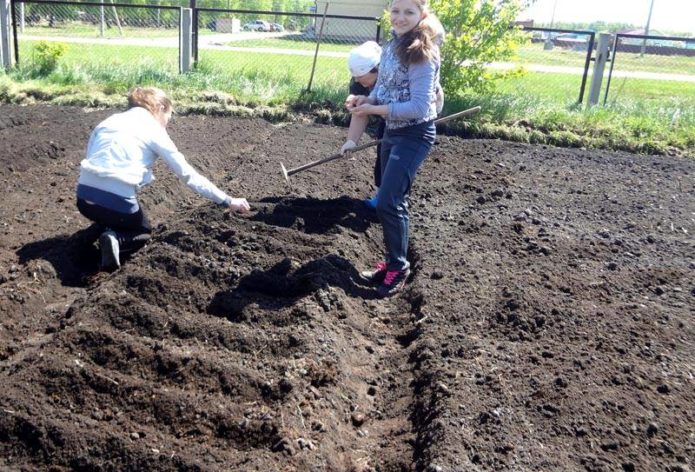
[
  {"x": 405, "y": 94},
  {"x": 363, "y": 63}
]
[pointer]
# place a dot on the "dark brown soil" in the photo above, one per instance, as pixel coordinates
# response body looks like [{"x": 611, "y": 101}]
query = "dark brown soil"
[{"x": 548, "y": 325}]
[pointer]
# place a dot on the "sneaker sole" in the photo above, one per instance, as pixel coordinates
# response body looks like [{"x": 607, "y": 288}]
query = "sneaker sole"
[
  {"x": 372, "y": 280},
  {"x": 110, "y": 258}
]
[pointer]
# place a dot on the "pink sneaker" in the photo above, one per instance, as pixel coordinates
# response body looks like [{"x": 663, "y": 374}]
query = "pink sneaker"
[
  {"x": 375, "y": 276},
  {"x": 394, "y": 282}
]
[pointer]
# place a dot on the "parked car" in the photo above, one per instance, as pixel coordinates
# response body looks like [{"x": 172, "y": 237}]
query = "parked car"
[
  {"x": 276, "y": 27},
  {"x": 257, "y": 25}
]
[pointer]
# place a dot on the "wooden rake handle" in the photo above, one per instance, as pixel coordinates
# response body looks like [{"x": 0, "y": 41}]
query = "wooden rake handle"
[{"x": 287, "y": 173}]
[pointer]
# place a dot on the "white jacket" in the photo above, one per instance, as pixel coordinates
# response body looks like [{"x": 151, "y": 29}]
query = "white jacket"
[{"x": 122, "y": 150}]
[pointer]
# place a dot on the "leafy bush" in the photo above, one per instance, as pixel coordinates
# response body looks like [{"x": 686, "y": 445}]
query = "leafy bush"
[
  {"x": 46, "y": 55},
  {"x": 477, "y": 32}
]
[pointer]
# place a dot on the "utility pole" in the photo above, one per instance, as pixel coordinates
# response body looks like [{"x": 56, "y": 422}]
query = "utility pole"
[
  {"x": 646, "y": 29},
  {"x": 549, "y": 41},
  {"x": 552, "y": 17}
]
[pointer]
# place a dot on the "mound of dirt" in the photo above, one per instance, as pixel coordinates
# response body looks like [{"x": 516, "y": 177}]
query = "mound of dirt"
[{"x": 547, "y": 326}]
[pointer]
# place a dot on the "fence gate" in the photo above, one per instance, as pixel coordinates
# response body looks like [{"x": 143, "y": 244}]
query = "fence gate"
[{"x": 638, "y": 59}]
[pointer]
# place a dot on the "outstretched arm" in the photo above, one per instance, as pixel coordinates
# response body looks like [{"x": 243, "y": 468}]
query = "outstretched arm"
[{"x": 165, "y": 147}]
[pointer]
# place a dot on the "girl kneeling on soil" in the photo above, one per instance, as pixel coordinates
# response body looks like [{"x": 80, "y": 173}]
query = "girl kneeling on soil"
[
  {"x": 121, "y": 152},
  {"x": 406, "y": 95}
]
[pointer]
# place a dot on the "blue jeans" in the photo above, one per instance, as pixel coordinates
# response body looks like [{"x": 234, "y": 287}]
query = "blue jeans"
[{"x": 402, "y": 152}]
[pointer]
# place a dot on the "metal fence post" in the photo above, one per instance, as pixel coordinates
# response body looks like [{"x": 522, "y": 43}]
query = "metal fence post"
[
  {"x": 602, "y": 49},
  {"x": 610, "y": 71},
  {"x": 587, "y": 63},
  {"x": 185, "y": 40},
  {"x": 318, "y": 43},
  {"x": 5, "y": 34},
  {"x": 195, "y": 31}
]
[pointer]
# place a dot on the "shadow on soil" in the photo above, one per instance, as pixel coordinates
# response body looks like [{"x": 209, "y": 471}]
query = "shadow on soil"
[
  {"x": 316, "y": 216},
  {"x": 283, "y": 284},
  {"x": 73, "y": 257}
]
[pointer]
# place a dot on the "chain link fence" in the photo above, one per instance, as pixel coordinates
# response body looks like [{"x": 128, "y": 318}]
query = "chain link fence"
[
  {"x": 281, "y": 47},
  {"x": 142, "y": 41},
  {"x": 659, "y": 69},
  {"x": 553, "y": 66},
  {"x": 98, "y": 38}
]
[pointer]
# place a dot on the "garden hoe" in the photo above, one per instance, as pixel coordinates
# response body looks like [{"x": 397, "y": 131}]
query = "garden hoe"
[{"x": 286, "y": 173}]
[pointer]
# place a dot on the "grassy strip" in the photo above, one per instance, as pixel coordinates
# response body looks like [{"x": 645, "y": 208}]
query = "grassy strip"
[
  {"x": 293, "y": 44},
  {"x": 93, "y": 31},
  {"x": 531, "y": 53},
  {"x": 536, "y": 108},
  {"x": 535, "y": 54},
  {"x": 267, "y": 79}
]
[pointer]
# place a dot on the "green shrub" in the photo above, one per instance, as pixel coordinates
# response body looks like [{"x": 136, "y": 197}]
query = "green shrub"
[
  {"x": 477, "y": 32},
  {"x": 46, "y": 56}
]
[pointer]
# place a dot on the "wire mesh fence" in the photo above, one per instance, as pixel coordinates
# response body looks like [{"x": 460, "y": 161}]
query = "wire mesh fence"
[
  {"x": 281, "y": 47},
  {"x": 553, "y": 66},
  {"x": 265, "y": 51},
  {"x": 273, "y": 49},
  {"x": 98, "y": 38},
  {"x": 655, "y": 69}
]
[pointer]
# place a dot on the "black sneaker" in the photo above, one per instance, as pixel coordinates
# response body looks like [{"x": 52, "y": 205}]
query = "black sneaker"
[
  {"x": 394, "y": 282},
  {"x": 110, "y": 251},
  {"x": 375, "y": 276}
]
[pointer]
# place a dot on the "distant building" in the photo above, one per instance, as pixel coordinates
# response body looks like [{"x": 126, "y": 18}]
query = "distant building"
[
  {"x": 355, "y": 31},
  {"x": 664, "y": 47},
  {"x": 524, "y": 23},
  {"x": 651, "y": 42}
]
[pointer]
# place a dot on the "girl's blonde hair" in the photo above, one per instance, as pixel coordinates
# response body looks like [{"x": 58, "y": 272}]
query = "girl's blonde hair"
[
  {"x": 151, "y": 98},
  {"x": 421, "y": 43}
]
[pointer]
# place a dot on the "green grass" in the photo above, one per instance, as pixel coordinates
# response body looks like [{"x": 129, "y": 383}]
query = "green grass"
[
  {"x": 81, "y": 30},
  {"x": 293, "y": 44},
  {"x": 642, "y": 116},
  {"x": 114, "y": 68},
  {"x": 533, "y": 53},
  {"x": 652, "y": 63},
  {"x": 563, "y": 89}
]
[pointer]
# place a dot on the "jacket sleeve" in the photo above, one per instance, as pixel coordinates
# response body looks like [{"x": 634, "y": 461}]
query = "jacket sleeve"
[
  {"x": 421, "y": 77},
  {"x": 167, "y": 150}
]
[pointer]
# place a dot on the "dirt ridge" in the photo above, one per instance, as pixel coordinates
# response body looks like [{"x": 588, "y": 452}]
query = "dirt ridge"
[{"x": 547, "y": 325}]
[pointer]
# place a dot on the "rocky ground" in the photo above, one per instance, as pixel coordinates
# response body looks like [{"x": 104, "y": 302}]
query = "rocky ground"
[{"x": 548, "y": 325}]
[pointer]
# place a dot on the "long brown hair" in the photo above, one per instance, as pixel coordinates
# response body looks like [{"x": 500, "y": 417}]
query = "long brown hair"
[{"x": 420, "y": 43}]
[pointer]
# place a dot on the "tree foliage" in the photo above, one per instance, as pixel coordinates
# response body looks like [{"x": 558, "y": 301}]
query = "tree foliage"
[{"x": 477, "y": 32}]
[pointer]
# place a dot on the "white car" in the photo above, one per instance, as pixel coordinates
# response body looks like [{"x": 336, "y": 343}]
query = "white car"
[{"x": 258, "y": 25}]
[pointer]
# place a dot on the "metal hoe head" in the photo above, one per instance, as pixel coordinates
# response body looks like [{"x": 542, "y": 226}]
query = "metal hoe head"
[{"x": 284, "y": 173}]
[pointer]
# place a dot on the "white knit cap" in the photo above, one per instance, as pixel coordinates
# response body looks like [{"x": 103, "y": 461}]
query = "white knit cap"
[{"x": 364, "y": 58}]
